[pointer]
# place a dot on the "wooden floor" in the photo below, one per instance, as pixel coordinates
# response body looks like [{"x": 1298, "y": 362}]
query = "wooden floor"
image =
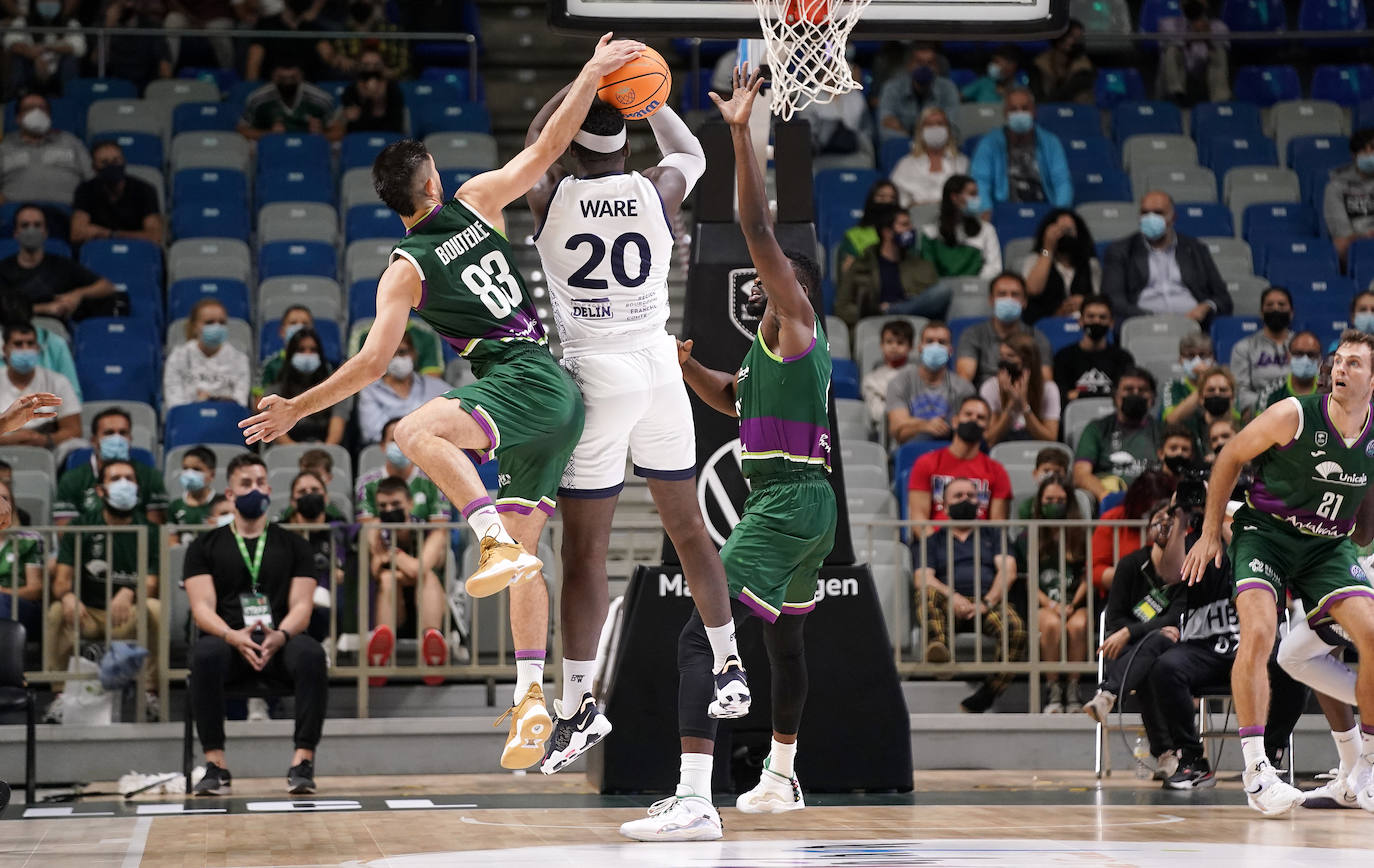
[{"x": 953, "y": 818}]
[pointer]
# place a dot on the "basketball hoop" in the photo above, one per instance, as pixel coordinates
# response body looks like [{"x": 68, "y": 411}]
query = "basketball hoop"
[{"x": 805, "y": 42}]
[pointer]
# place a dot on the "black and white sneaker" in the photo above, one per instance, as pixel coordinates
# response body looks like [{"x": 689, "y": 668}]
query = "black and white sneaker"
[
  {"x": 300, "y": 781},
  {"x": 217, "y": 782},
  {"x": 732, "y": 691},
  {"x": 1193, "y": 773},
  {"x": 573, "y": 736}
]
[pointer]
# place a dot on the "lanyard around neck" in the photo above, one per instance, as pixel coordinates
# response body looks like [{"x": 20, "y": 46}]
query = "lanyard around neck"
[{"x": 254, "y": 564}]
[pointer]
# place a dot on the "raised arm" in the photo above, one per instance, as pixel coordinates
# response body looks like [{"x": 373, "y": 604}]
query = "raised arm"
[
  {"x": 539, "y": 195},
  {"x": 683, "y": 161}
]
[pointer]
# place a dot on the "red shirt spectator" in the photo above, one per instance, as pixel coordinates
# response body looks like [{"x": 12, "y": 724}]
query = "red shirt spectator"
[{"x": 960, "y": 459}]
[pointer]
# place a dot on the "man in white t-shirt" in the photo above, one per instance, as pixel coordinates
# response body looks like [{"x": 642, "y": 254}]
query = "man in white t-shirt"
[{"x": 24, "y": 376}]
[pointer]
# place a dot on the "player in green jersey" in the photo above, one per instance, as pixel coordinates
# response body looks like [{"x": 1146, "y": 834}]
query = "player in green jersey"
[
  {"x": 1315, "y": 462},
  {"x": 455, "y": 269}
]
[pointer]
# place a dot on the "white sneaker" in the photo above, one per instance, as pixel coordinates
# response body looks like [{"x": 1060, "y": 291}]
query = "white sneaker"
[
  {"x": 257, "y": 709},
  {"x": 683, "y": 817},
  {"x": 773, "y": 794},
  {"x": 732, "y": 691},
  {"x": 1336, "y": 793},
  {"x": 1269, "y": 795}
]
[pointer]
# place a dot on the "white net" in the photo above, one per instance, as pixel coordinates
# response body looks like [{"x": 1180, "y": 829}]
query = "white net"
[{"x": 805, "y": 42}]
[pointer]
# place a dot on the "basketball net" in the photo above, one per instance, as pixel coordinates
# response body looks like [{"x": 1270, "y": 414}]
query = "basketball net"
[{"x": 804, "y": 43}]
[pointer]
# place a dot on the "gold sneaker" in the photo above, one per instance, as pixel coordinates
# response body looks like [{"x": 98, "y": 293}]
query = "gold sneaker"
[
  {"x": 501, "y": 564},
  {"x": 530, "y": 727}
]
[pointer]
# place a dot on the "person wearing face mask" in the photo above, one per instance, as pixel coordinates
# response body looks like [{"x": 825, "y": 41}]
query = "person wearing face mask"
[
  {"x": 891, "y": 277},
  {"x": 961, "y": 459},
  {"x": 1064, "y": 72},
  {"x": 920, "y": 176},
  {"x": 37, "y": 162},
  {"x": 399, "y": 391},
  {"x": 1217, "y": 387},
  {"x": 373, "y": 102},
  {"x": 45, "y": 62},
  {"x": 922, "y": 398},
  {"x": 962, "y": 571},
  {"x": 1304, "y": 364},
  {"x": 905, "y": 98},
  {"x": 1117, "y": 448},
  {"x": 103, "y": 605},
  {"x": 863, "y": 235},
  {"x": 58, "y": 431},
  {"x": 960, "y": 243},
  {"x": 1348, "y": 201},
  {"x": 111, "y": 431},
  {"x": 293, "y": 319},
  {"x": 306, "y": 367},
  {"x": 1090, "y": 367},
  {"x": 207, "y": 367},
  {"x": 197, "y": 479},
  {"x": 1061, "y": 270},
  {"x": 114, "y": 204},
  {"x": 1159, "y": 270},
  {"x": 21, "y": 576},
  {"x": 1020, "y": 161},
  {"x": 1260, "y": 359},
  {"x": 980, "y": 344},
  {"x": 1061, "y": 595},
  {"x": 1176, "y": 453},
  {"x": 290, "y": 104},
  {"x": 1003, "y": 72},
  {"x": 332, "y": 548},
  {"x": 50, "y": 284},
  {"x": 1181, "y": 396},
  {"x": 1050, "y": 461},
  {"x": 896, "y": 340}
]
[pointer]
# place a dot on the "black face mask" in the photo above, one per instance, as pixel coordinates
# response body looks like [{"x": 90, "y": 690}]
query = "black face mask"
[
  {"x": 111, "y": 173},
  {"x": 1096, "y": 331},
  {"x": 288, "y": 90},
  {"x": 310, "y": 506},
  {"x": 1216, "y": 405},
  {"x": 1177, "y": 463},
  {"x": 1277, "y": 320},
  {"x": 1134, "y": 407},
  {"x": 969, "y": 432},
  {"x": 392, "y": 516},
  {"x": 964, "y": 510}
]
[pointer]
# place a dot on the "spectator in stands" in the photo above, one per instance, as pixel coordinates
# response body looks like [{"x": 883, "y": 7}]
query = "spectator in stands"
[
  {"x": 1219, "y": 433},
  {"x": 318, "y": 462},
  {"x": 1181, "y": 396},
  {"x": 373, "y": 101},
  {"x": 979, "y": 352},
  {"x": 903, "y": 99},
  {"x": 37, "y": 162},
  {"x": 107, "y": 559},
  {"x": 1218, "y": 389},
  {"x": 111, "y": 433},
  {"x": 57, "y": 286},
  {"x": 252, "y": 612},
  {"x": 290, "y": 105},
  {"x": 266, "y": 54},
  {"x": 922, "y": 398},
  {"x": 293, "y": 319},
  {"x": 859, "y": 238},
  {"x": 1062, "y": 595},
  {"x": 1064, "y": 72},
  {"x": 206, "y": 367},
  {"x": 398, "y": 392},
  {"x": 965, "y": 573},
  {"x": 21, "y": 515},
  {"x": 1195, "y": 70},
  {"x": 1361, "y": 314},
  {"x": 1304, "y": 363},
  {"x": 896, "y": 339},
  {"x": 920, "y": 176},
  {"x": 328, "y": 511},
  {"x": 24, "y": 376},
  {"x": 1158, "y": 270},
  {"x": 221, "y": 510},
  {"x": 21, "y": 571},
  {"x": 1022, "y": 162},
  {"x": 1261, "y": 358},
  {"x": 136, "y": 58},
  {"x": 114, "y": 204},
  {"x": 1061, "y": 270},
  {"x": 1090, "y": 367},
  {"x": 960, "y": 243},
  {"x": 1348, "y": 201},
  {"x": 54, "y": 353},
  {"x": 1003, "y": 74},
  {"x": 307, "y": 368},
  {"x": 330, "y": 547},
  {"x": 45, "y": 63},
  {"x": 197, "y": 478},
  {"x": 1050, "y": 461},
  {"x": 961, "y": 459},
  {"x": 1178, "y": 449},
  {"x": 841, "y": 127},
  {"x": 204, "y": 15},
  {"x": 891, "y": 277},
  {"x": 1023, "y": 401},
  {"x": 428, "y": 503},
  {"x": 1111, "y": 541},
  {"x": 364, "y": 17},
  {"x": 1114, "y": 450}
]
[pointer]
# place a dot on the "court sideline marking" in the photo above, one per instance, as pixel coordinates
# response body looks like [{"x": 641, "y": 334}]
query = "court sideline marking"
[
  {"x": 1163, "y": 820},
  {"x": 133, "y": 857}
]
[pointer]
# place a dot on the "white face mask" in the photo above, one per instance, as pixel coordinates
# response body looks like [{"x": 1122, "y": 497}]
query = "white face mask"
[
  {"x": 400, "y": 367},
  {"x": 935, "y": 137},
  {"x": 223, "y": 519},
  {"x": 36, "y": 122}
]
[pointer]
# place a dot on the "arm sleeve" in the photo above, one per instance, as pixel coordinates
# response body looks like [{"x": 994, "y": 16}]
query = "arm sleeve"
[
  {"x": 68, "y": 498},
  {"x": 1089, "y": 444},
  {"x": 156, "y": 495},
  {"x": 1114, "y": 282},
  {"x": 1050, "y": 406},
  {"x": 1119, "y": 597},
  {"x": 680, "y": 148},
  {"x": 1241, "y": 368},
  {"x": 176, "y": 388},
  {"x": 302, "y": 558},
  {"x": 1217, "y": 293},
  {"x": 197, "y": 561},
  {"x": 992, "y": 252},
  {"x": 369, "y": 415},
  {"x": 79, "y": 275},
  {"x": 1000, "y": 489},
  {"x": 1333, "y": 209},
  {"x": 240, "y": 378},
  {"x": 981, "y": 170},
  {"x": 887, "y": 100},
  {"x": 919, "y": 480},
  {"x": 66, "y": 550}
]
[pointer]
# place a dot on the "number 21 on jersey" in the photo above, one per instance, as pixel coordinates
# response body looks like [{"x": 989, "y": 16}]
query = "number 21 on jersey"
[
  {"x": 1330, "y": 505},
  {"x": 491, "y": 280}
]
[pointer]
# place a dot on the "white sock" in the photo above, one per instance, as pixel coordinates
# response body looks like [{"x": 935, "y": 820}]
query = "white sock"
[
  {"x": 1252, "y": 746},
  {"x": 1348, "y": 748},
  {"x": 577, "y": 680},
  {"x": 780, "y": 758},
  {"x": 527, "y": 671},
  {"x": 722, "y": 643},
  {"x": 484, "y": 520},
  {"x": 695, "y": 777},
  {"x": 1367, "y": 745}
]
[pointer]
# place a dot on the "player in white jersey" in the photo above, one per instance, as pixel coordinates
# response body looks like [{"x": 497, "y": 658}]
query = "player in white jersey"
[{"x": 606, "y": 240}]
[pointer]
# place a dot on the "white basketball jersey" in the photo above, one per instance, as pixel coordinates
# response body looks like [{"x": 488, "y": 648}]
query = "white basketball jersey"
[{"x": 606, "y": 246}]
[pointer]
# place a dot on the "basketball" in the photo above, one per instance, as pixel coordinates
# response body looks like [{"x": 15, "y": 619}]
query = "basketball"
[{"x": 640, "y": 87}]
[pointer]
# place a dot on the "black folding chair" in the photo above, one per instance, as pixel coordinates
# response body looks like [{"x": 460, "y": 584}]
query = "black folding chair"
[
  {"x": 16, "y": 694},
  {"x": 245, "y": 689}
]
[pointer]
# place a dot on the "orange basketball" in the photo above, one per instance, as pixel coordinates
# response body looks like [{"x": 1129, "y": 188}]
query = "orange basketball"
[{"x": 640, "y": 87}]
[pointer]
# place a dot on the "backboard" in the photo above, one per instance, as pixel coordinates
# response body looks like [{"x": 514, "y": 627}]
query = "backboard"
[{"x": 910, "y": 19}]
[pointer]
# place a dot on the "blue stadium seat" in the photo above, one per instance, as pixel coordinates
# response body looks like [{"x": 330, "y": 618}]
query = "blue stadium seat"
[
  {"x": 1153, "y": 10},
  {"x": 969, "y": 145},
  {"x": 371, "y": 221},
  {"x": 1277, "y": 219},
  {"x": 455, "y": 178},
  {"x": 844, "y": 378},
  {"x": 334, "y": 87},
  {"x": 362, "y": 301},
  {"x": 1255, "y": 15},
  {"x": 298, "y": 184},
  {"x": 204, "y": 186},
  {"x": 1060, "y": 330},
  {"x": 85, "y": 91},
  {"x": 1233, "y": 119},
  {"x": 1347, "y": 85},
  {"x": 204, "y": 422},
  {"x": 1202, "y": 219},
  {"x": 183, "y": 295},
  {"x": 1227, "y": 331},
  {"x": 1286, "y": 269},
  {"x": 223, "y": 219},
  {"x": 194, "y": 117},
  {"x": 359, "y": 150},
  {"x": 302, "y": 151},
  {"x": 111, "y": 337},
  {"x": 1226, "y": 152},
  {"x": 124, "y": 259},
  {"x": 140, "y": 149},
  {"x": 456, "y": 117},
  {"x": 1327, "y": 329},
  {"x": 1266, "y": 85},
  {"x": 1118, "y": 85},
  {"x": 1017, "y": 219},
  {"x": 418, "y": 92},
  {"x": 459, "y": 78},
  {"x": 957, "y": 326},
  {"x": 843, "y": 187},
  {"x": 331, "y": 342},
  {"x": 1330, "y": 15},
  {"x": 1360, "y": 260},
  {"x": 1315, "y": 295},
  {"x": 1362, "y": 115},
  {"x": 238, "y": 93},
  {"x": 224, "y": 79},
  {"x": 1308, "y": 153},
  {"x": 1092, "y": 154},
  {"x": 902, "y": 459},
  {"x": 144, "y": 299},
  {"x": 120, "y": 376},
  {"x": 1110, "y": 186},
  {"x": 834, "y": 222},
  {"x": 891, "y": 153},
  {"x": 1136, "y": 118},
  {"x": 694, "y": 93},
  {"x": 291, "y": 258},
  {"x": 1069, "y": 119}
]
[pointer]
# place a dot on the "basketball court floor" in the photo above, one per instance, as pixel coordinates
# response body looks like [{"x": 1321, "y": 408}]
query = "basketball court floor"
[{"x": 953, "y": 818}]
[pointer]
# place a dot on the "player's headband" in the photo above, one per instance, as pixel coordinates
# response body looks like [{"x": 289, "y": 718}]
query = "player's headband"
[{"x": 601, "y": 144}]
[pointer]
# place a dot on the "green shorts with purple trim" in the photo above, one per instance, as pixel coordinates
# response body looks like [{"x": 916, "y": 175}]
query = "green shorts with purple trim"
[
  {"x": 532, "y": 412},
  {"x": 1320, "y": 571},
  {"x": 774, "y": 554}
]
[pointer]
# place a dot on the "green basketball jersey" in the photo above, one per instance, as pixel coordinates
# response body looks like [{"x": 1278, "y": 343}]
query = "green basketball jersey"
[
  {"x": 1316, "y": 482},
  {"x": 471, "y": 292},
  {"x": 784, "y": 408}
]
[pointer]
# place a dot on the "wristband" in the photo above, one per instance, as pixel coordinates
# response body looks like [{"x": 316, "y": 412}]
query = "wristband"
[
  {"x": 1044, "y": 251},
  {"x": 282, "y": 630}
]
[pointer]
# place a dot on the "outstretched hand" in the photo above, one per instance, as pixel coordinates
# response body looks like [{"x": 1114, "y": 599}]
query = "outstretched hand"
[
  {"x": 25, "y": 409},
  {"x": 278, "y": 415},
  {"x": 1207, "y": 550},
  {"x": 610, "y": 54},
  {"x": 746, "y": 86}
]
